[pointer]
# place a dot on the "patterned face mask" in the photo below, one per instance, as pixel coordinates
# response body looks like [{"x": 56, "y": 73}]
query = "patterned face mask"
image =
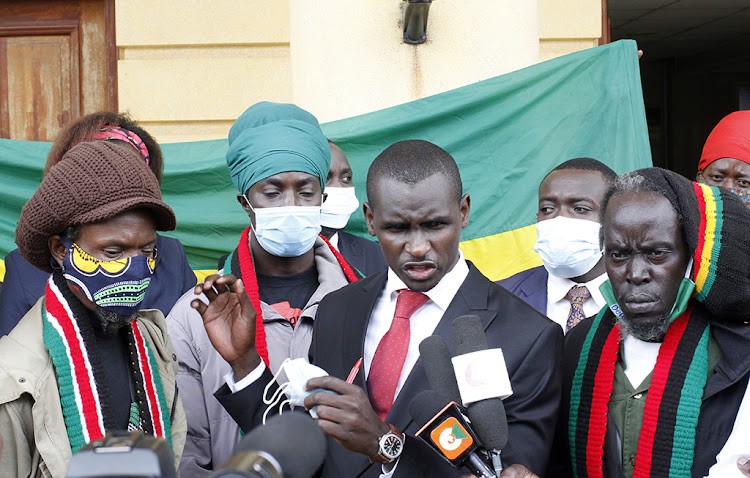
[
  {"x": 118, "y": 285},
  {"x": 743, "y": 194}
]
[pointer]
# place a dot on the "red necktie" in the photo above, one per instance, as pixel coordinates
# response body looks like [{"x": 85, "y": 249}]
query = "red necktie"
[{"x": 389, "y": 357}]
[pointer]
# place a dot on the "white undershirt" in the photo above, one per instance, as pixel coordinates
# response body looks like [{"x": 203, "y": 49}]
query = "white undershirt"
[{"x": 558, "y": 307}]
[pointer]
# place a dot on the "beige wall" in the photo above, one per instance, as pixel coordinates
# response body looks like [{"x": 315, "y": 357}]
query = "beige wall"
[
  {"x": 190, "y": 70},
  {"x": 352, "y": 59},
  {"x": 566, "y": 26},
  {"x": 197, "y": 65}
]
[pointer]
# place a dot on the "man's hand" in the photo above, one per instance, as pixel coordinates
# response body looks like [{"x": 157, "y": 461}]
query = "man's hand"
[
  {"x": 347, "y": 416},
  {"x": 743, "y": 464},
  {"x": 513, "y": 471},
  {"x": 229, "y": 319},
  {"x": 517, "y": 471}
]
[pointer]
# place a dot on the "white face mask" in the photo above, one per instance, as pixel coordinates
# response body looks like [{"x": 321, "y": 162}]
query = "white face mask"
[
  {"x": 568, "y": 247},
  {"x": 339, "y": 205},
  {"x": 287, "y": 231},
  {"x": 298, "y": 372}
]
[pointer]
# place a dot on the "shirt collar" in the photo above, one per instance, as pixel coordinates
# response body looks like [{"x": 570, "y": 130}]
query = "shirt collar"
[
  {"x": 442, "y": 294},
  {"x": 557, "y": 288}
]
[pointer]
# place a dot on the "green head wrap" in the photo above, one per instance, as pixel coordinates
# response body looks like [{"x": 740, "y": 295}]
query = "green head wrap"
[
  {"x": 278, "y": 147},
  {"x": 269, "y": 112}
]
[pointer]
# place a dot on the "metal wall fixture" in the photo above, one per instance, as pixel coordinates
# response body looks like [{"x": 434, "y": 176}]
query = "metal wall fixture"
[{"x": 415, "y": 21}]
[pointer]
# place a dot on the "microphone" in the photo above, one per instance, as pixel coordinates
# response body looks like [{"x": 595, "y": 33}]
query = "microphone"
[
  {"x": 483, "y": 400},
  {"x": 290, "y": 445},
  {"x": 445, "y": 430},
  {"x": 436, "y": 360}
]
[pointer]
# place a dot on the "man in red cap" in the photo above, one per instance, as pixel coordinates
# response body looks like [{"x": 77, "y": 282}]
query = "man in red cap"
[{"x": 725, "y": 160}]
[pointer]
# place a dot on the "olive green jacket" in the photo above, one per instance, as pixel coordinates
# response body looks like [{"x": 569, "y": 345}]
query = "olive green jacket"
[{"x": 34, "y": 438}]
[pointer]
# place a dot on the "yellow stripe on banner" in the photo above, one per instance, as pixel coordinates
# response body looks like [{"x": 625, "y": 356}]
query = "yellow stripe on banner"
[
  {"x": 502, "y": 255},
  {"x": 709, "y": 237},
  {"x": 498, "y": 256}
]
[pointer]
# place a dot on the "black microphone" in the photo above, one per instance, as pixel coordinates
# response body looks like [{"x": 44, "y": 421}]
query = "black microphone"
[
  {"x": 436, "y": 360},
  {"x": 445, "y": 430},
  {"x": 487, "y": 416},
  {"x": 290, "y": 445}
]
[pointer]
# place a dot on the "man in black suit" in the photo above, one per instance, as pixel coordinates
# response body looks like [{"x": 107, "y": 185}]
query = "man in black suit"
[
  {"x": 339, "y": 204},
  {"x": 566, "y": 287},
  {"x": 417, "y": 211}
]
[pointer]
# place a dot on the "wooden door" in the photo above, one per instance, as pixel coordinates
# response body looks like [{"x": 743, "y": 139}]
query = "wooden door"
[{"x": 58, "y": 61}]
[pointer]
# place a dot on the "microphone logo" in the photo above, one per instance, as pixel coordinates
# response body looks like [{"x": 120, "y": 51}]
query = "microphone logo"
[{"x": 451, "y": 438}]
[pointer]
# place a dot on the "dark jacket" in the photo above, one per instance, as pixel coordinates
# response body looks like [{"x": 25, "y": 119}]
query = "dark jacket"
[
  {"x": 722, "y": 396},
  {"x": 530, "y": 286},
  {"x": 24, "y": 284},
  {"x": 362, "y": 254},
  {"x": 531, "y": 345}
]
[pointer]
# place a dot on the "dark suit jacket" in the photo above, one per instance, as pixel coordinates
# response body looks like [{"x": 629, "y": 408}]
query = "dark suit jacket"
[
  {"x": 362, "y": 254},
  {"x": 24, "y": 283},
  {"x": 530, "y": 286},
  {"x": 722, "y": 396},
  {"x": 531, "y": 343}
]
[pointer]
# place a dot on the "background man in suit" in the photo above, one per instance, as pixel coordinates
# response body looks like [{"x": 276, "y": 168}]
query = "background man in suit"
[
  {"x": 417, "y": 211},
  {"x": 566, "y": 288},
  {"x": 339, "y": 204}
]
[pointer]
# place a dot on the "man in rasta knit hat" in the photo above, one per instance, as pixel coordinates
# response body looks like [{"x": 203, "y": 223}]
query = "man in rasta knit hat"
[
  {"x": 725, "y": 160},
  {"x": 278, "y": 160},
  {"x": 85, "y": 360},
  {"x": 654, "y": 382}
]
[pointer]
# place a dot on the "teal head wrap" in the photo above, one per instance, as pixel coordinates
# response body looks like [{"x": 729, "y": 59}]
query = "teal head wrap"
[
  {"x": 268, "y": 112},
  {"x": 278, "y": 147}
]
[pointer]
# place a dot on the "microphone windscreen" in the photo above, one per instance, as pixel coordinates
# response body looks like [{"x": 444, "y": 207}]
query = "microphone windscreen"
[
  {"x": 489, "y": 423},
  {"x": 436, "y": 360},
  {"x": 468, "y": 335},
  {"x": 424, "y": 406},
  {"x": 293, "y": 439}
]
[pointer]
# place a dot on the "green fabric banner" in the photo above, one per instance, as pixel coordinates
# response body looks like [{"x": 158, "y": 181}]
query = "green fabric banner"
[{"x": 505, "y": 133}]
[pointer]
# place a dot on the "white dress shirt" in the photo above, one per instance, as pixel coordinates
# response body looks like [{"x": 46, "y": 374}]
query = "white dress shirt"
[
  {"x": 422, "y": 322},
  {"x": 558, "y": 307}
]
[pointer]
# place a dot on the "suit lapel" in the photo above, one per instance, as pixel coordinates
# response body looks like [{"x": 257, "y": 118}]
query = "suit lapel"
[{"x": 355, "y": 329}]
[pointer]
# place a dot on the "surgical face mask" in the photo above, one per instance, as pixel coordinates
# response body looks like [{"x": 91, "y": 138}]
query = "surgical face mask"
[
  {"x": 568, "y": 247},
  {"x": 287, "y": 231},
  {"x": 338, "y": 207},
  {"x": 298, "y": 372},
  {"x": 118, "y": 286}
]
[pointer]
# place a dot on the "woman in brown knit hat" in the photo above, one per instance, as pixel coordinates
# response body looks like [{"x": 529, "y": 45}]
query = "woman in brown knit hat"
[
  {"x": 24, "y": 283},
  {"x": 86, "y": 359}
]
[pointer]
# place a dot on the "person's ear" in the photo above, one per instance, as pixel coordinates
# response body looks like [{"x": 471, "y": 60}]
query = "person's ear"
[
  {"x": 367, "y": 210},
  {"x": 243, "y": 202},
  {"x": 464, "y": 206},
  {"x": 57, "y": 249},
  {"x": 698, "y": 176}
]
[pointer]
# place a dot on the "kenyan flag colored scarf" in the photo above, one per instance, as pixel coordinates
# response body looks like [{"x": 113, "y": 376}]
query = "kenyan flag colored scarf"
[
  {"x": 81, "y": 377},
  {"x": 667, "y": 440},
  {"x": 241, "y": 265}
]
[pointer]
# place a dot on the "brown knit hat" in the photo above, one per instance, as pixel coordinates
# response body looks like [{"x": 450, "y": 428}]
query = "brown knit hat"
[{"x": 94, "y": 182}]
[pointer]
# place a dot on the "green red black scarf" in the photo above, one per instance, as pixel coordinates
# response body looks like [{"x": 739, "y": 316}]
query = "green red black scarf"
[
  {"x": 244, "y": 261},
  {"x": 667, "y": 440},
  {"x": 81, "y": 376}
]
